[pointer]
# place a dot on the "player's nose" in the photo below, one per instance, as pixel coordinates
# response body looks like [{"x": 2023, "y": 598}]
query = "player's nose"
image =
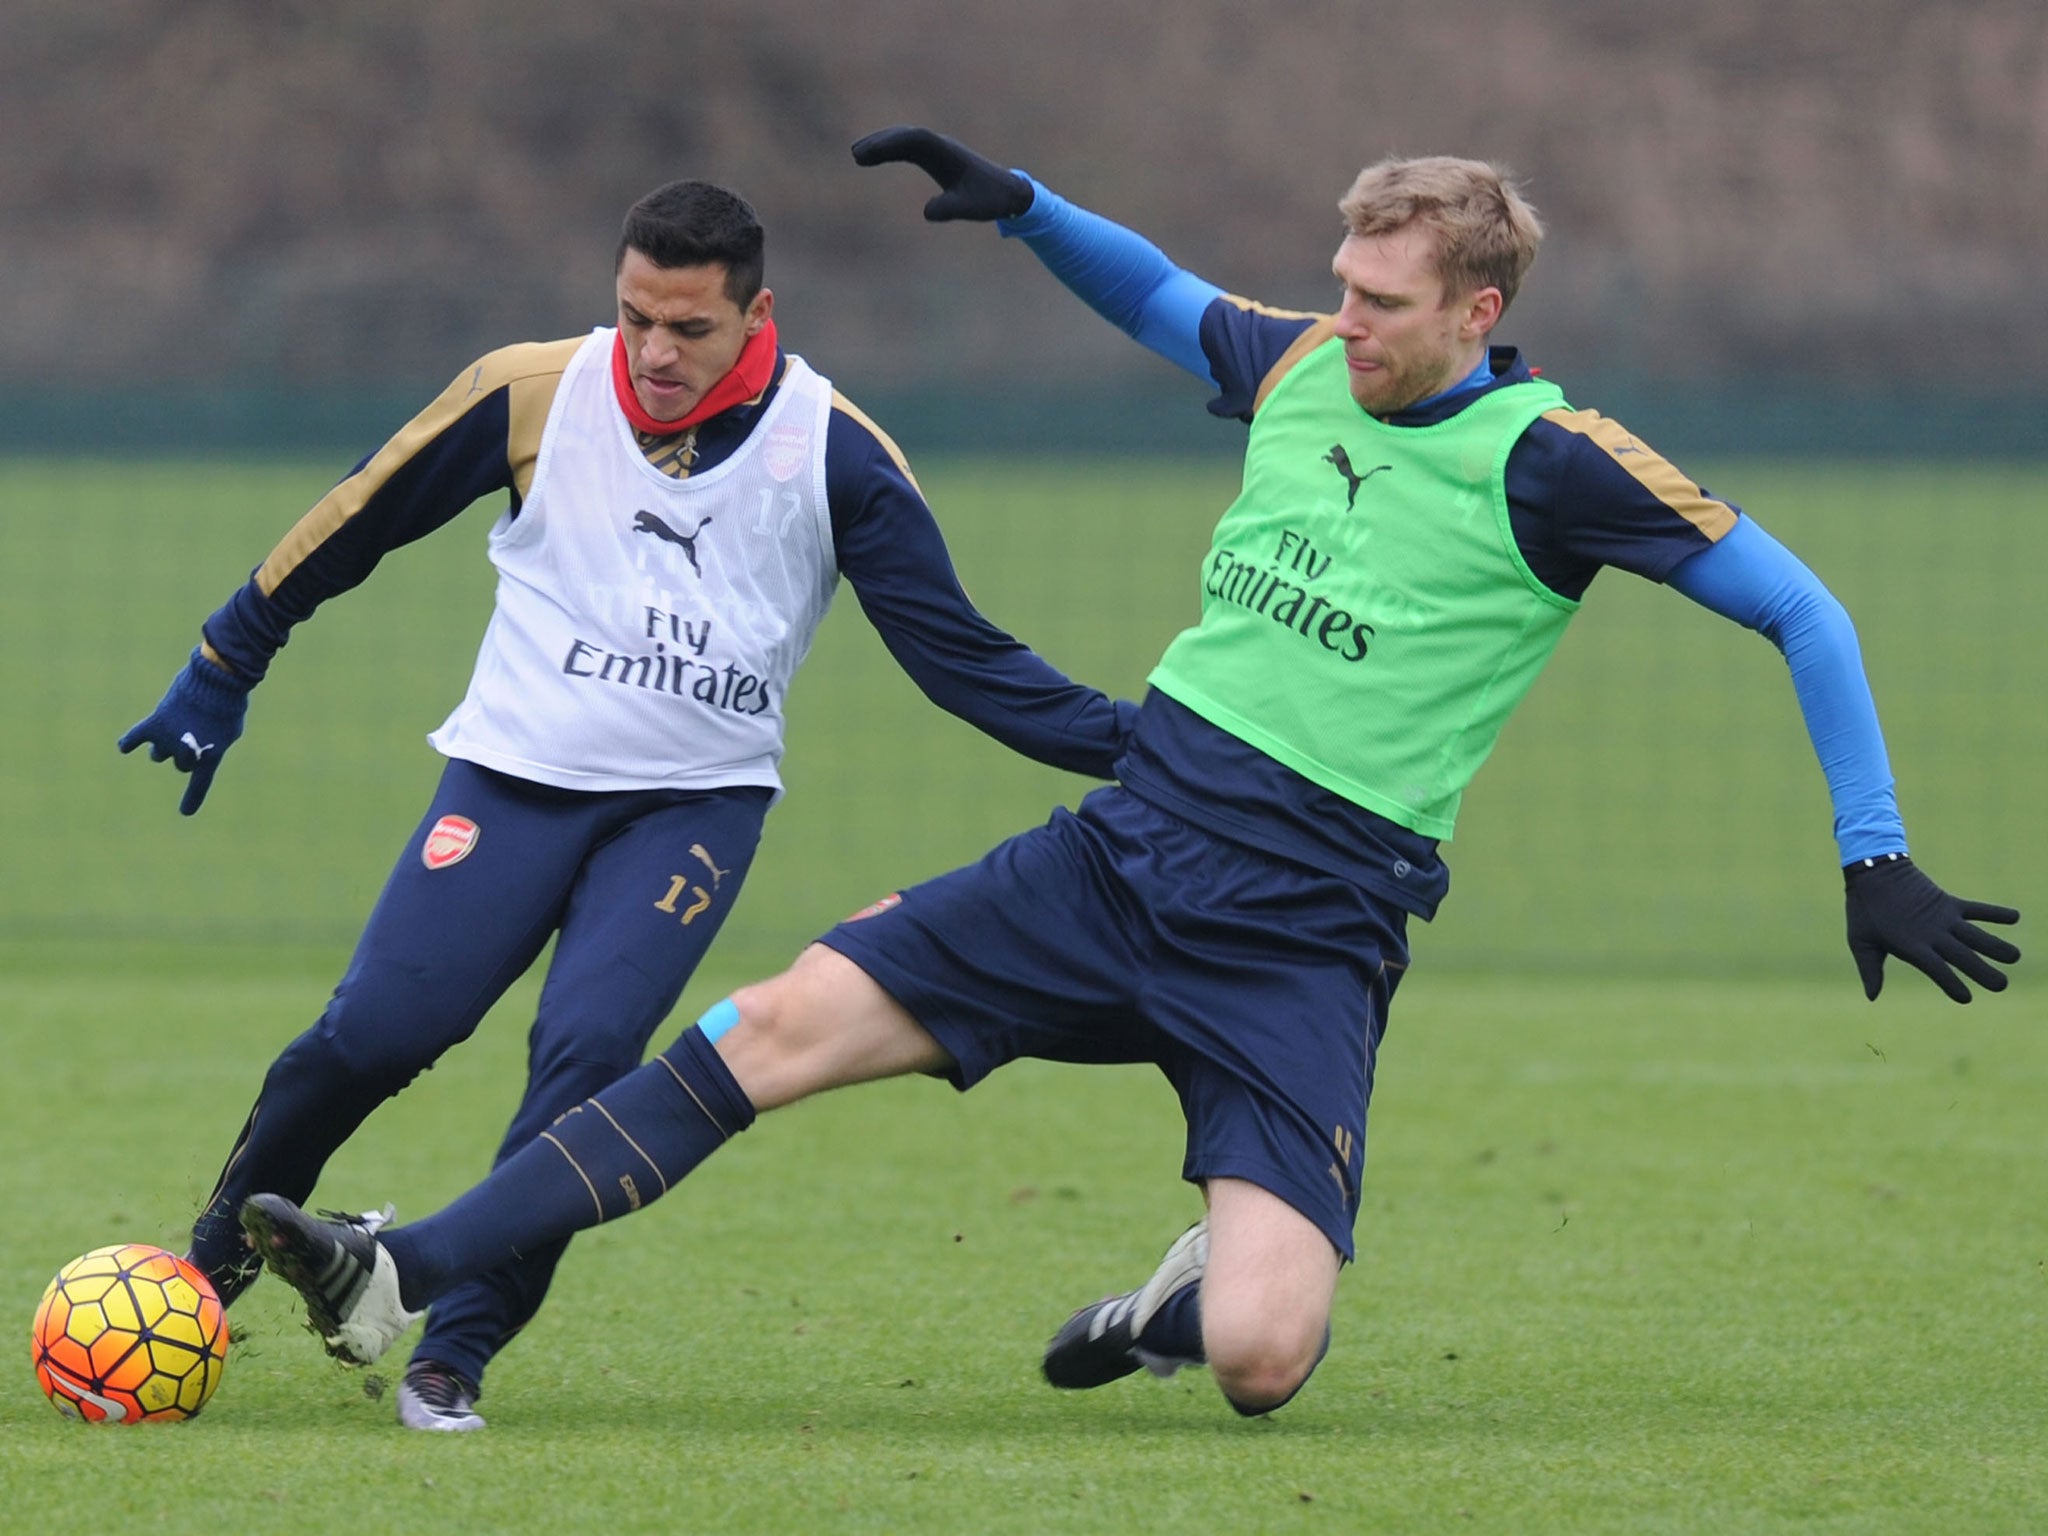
[
  {"x": 657, "y": 352},
  {"x": 1352, "y": 322}
]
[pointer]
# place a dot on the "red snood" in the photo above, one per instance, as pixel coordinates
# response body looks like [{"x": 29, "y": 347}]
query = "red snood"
[{"x": 749, "y": 376}]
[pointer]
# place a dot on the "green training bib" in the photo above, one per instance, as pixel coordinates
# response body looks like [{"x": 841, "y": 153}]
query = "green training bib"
[{"x": 1366, "y": 616}]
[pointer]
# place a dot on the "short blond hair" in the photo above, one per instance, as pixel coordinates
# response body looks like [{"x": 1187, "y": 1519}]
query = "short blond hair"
[{"x": 1486, "y": 231}]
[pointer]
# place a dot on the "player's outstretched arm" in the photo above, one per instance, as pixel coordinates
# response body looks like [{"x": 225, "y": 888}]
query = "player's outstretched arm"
[
  {"x": 456, "y": 450},
  {"x": 891, "y": 551},
  {"x": 1893, "y": 907},
  {"x": 1117, "y": 273},
  {"x": 194, "y": 724}
]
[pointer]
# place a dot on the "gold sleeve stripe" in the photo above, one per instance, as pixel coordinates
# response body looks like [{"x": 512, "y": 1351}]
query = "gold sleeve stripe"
[
  {"x": 533, "y": 371},
  {"x": 841, "y": 403},
  {"x": 1254, "y": 307},
  {"x": 539, "y": 364},
  {"x": 1651, "y": 470},
  {"x": 1324, "y": 328}
]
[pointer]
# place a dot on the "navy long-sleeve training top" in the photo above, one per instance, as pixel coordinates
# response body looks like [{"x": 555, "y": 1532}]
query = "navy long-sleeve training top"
[{"x": 482, "y": 436}]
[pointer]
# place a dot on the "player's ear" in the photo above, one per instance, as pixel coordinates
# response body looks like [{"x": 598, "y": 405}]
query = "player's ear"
[
  {"x": 760, "y": 309},
  {"x": 1482, "y": 313}
]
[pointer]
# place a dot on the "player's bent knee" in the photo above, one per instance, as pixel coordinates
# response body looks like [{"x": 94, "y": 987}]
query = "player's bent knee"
[
  {"x": 779, "y": 1045},
  {"x": 381, "y": 1033},
  {"x": 1262, "y": 1365}
]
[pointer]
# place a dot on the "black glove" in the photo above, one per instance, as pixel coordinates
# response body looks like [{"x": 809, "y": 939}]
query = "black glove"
[
  {"x": 1894, "y": 909},
  {"x": 194, "y": 724},
  {"x": 969, "y": 186}
]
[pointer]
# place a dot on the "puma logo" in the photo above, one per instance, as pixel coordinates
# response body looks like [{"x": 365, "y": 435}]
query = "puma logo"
[
  {"x": 191, "y": 741},
  {"x": 1341, "y": 461},
  {"x": 647, "y": 522},
  {"x": 717, "y": 874}
]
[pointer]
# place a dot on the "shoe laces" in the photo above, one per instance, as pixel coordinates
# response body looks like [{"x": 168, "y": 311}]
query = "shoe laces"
[
  {"x": 369, "y": 1223},
  {"x": 438, "y": 1387}
]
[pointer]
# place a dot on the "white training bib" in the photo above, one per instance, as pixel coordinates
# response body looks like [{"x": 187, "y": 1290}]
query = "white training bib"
[{"x": 647, "y": 628}]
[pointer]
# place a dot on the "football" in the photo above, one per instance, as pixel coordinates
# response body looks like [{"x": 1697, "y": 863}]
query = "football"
[{"x": 130, "y": 1334}]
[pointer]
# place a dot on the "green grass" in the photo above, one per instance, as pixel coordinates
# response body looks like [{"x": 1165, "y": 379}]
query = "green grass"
[
  {"x": 1666, "y": 1230},
  {"x": 1635, "y": 1257}
]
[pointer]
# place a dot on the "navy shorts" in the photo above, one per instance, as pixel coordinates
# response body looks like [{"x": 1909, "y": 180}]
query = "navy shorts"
[{"x": 1120, "y": 933}]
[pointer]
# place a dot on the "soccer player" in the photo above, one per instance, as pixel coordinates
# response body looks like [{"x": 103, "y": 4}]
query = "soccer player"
[
  {"x": 1420, "y": 518},
  {"x": 683, "y": 498}
]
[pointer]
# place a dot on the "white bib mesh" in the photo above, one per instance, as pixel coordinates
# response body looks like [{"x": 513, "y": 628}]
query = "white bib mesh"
[{"x": 647, "y": 628}]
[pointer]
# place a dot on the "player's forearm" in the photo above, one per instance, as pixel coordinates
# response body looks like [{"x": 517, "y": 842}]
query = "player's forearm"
[
  {"x": 1003, "y": 688},
  {"x": 425, "y": 476},
  {"x": 1120, "y": 275},
  {"x": 1751, "y": 578}
]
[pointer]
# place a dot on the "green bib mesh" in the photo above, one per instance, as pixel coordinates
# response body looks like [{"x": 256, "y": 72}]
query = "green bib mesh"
[{"x": 1366, "y": 617}]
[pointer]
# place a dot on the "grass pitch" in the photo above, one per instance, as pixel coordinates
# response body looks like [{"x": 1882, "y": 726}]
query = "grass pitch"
[
  {"x": 1635, "y": 1257},
  {"x": 1665, "y": 1229}
]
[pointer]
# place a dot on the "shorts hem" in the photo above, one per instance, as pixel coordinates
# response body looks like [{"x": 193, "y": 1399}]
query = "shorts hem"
[
  {"x": 901, "y": 985},
  {"x": 1282, "y": 1188}
]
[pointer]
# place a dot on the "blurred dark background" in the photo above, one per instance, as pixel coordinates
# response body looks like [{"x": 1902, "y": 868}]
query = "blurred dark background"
[
  {"x": 1790, "y": 226},
  {"x": 1796, "y": 246}
]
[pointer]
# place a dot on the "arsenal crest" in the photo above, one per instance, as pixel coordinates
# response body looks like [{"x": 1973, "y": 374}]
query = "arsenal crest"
[
  {"x": 875, "y": 909},
  {"x": 448, "y": 842},
  {"x": 787, "y": 450}
]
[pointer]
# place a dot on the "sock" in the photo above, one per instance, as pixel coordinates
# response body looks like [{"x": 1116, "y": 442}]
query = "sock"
[
  {"x": 609, "y": 1155},
  {"x": 313, "y": 1099},
  {"x": 1175, "y": 1330}
]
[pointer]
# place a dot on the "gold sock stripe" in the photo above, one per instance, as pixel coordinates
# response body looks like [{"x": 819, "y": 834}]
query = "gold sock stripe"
[
  {"x": 234, "y": 1157},
  {"x": 672, "y": 1072},
  {"x": 550, "y": 1137},
  {"x": 629, "y": 1141}
]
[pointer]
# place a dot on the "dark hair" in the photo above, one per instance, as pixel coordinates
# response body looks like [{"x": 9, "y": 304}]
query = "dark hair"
[{"x": 695, "y": 224}]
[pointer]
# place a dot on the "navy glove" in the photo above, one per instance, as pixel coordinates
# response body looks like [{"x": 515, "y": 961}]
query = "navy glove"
[
  {"x": 969, "y": 186},
  {"x": 194, "y": 724},
  {"x": 1894, "y": 909}
]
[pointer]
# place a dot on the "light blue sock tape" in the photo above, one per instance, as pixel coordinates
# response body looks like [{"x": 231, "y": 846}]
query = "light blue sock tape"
[{"x": 718, "y": 1018}]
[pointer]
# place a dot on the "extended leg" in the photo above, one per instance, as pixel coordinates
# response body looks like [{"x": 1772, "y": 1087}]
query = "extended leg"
[{"x": 821, "y": 1024}]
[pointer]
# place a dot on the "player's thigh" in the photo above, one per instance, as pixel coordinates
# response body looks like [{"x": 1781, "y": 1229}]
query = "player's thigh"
[
  {"x": 1272, "y": 986},
  {"x": 474, "y": 895},
  {"x": 823, "y": 1023},
  {"x": 644, "y": 908},
  {"x": 1267, "y": 1291},
  {"x": 1030, "y": 951}
]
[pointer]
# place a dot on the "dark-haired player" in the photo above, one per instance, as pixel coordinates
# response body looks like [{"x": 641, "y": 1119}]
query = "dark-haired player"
[
  {"x": 1420, "y": 518},
  {"x": 683, "y": 498}
]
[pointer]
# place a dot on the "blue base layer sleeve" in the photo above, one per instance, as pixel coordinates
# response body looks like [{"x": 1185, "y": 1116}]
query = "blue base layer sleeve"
[
  {"x": 1120, "y": 275},
  {"x": 1753, "y": 579}
]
